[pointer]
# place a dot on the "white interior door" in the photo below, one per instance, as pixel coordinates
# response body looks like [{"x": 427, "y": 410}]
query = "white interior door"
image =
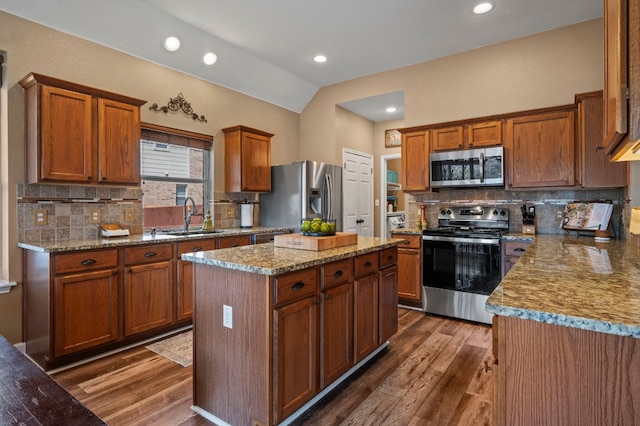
[{"x": 357, "y": 192}]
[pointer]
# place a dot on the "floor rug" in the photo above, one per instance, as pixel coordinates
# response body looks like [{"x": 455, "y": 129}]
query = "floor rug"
[{"x": 178, "y": 348}]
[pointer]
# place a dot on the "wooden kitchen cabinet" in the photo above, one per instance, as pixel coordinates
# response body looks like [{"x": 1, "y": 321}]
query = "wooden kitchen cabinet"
[
  {"x": 542, "y": 149},
  {"x": 511, "y": 252},
  {"x": 596, "y": 168},
  {"x": 78, "y": 134},
  {"x": 388, "y": 294},
  {"x": 622, "y": 79},
  {"x": 247, "y": 162},
  {"x": 410, "y": 270},
  {"x": 415, "y": 160},
  {"x": 148, "y": 288},
  {"x": 366, "y": 305},
  {"x": 336, "y": 320},
  {"x": 235, "y": 241},
  {"x": 467, "y": 136},
  {"x": 295, "y": 340},
  {"x": 447, "y": 138},
  {"x": 184, "y": 277},
  {"x": 86, "y": 298}
]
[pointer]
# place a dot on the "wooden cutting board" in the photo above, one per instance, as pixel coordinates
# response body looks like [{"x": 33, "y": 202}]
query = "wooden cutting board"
[{"x": 303, "y": 242}]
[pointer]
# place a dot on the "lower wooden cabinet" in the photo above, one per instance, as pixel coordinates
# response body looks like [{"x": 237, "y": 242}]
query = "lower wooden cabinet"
[
  {"x": 410, "y": 270},
  {"x": 388, "y": 303},
  {"x": 184, "y": 276},
  {"x": 365, "y": 315},
  {"x": 511, "y": 253}
]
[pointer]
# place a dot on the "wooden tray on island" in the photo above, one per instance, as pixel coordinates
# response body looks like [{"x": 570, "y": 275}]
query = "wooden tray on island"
[{"x": 303, "y": 242}]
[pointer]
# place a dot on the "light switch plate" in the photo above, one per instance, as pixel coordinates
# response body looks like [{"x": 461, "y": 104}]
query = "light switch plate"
[
  {"x": 94, "y": 216},
  {"x": 40, "y": 217}
]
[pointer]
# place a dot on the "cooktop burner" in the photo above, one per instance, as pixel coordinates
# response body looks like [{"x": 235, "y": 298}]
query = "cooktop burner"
[{"x": 471, "y": 222}]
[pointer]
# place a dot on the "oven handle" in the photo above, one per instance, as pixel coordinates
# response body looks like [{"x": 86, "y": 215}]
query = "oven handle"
[
  {"x": 485, "y": 241},
  {"x": 482, "y": 167}
]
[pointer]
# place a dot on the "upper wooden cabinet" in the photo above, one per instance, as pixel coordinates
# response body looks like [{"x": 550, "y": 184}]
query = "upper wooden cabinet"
[
  {"x": 247, "y": 163},
  {"x": 78, "y": 134},
  {"x": 622, "y": 79},
  {"x": 415, "y": 161},
  {"x": 596, "y": 170},
  {"x": 542, "y": 149},
  {"x": 471, "y": 135}
]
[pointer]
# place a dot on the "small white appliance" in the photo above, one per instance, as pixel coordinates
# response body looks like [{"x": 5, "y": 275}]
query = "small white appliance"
[{"x": 395, "y": 220}]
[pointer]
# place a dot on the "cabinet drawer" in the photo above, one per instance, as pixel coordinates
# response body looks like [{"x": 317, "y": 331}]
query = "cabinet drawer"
[
  {"x": 85, "y": 261},
  {"x": 515, "y": 248},
  {"x": 336, "y": 272},
  {"x": 240, "y": 240},
  {"x": 410, "y": 241},
  {"x": 148, "y": 253},
  {"x": 366, "y": 264},
  {"x": 197, "y": 245},
  {"x": 388, "y": 257},
  {"x": 295, "y": 285}
]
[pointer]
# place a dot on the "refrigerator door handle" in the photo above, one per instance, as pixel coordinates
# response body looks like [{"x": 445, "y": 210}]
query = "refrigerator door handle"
[{"x": 329, "y": 195}]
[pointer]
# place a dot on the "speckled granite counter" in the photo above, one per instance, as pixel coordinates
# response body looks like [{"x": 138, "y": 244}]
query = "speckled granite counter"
[
  {"x": 146, "y": 238},
  {"x": 574, "y": 282},
  {"x": 266, "y": 259}
]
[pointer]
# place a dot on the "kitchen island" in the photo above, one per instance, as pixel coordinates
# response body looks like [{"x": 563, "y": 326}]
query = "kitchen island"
[
  {"x": 565, "y": 330},
  {"x": 275, "y": 329}
]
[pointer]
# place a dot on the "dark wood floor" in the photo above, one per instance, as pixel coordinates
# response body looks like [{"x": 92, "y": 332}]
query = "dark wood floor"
[{"x": 434, "y": 372}]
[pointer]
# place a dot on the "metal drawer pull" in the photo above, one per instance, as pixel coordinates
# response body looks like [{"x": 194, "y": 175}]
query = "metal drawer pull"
[
  {"x": 518, "y": 249},
  {"x": 367, "y": 265},
  {"x": 150, "y": 254},
  {"x": 298, "y": 286},
  {"x": 234, "y": 244},
  {"x": 338, "y": 274},
  {"x": 87, "y": 262},
  {"x": 197, "y": 248},
  {"x": 390, "y": 257}
]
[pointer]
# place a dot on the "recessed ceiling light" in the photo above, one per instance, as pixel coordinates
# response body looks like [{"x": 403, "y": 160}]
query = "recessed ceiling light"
[
  {"x": 482, "y": 8},
  {"x": 391, "y": 109},
  {"x": 171, "y": 43},
  {"x": 209, "y": 58},
  {"x": 320, "y": 58}
]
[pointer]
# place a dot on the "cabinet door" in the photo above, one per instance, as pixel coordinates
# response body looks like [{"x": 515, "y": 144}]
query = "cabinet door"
[
  {"x": 295, "y": 355},
  {"x": 148, "y": 295},
  {"x": 615, "y": 79},
  {"x": 484, "y": 134},
  {"x": 447, "y": 139},
  {"x": 388, "y": 303},
  {"x": 118, "y": 142},
  {"x": 365, "y": 316},
  {"x": 85, "y": 310},
  {"x": 336, "y": 333},
  {"x": 542, "y": 150},
  {"x": 67, "y": 136},
  {"x": 415, "y": 161},
  {"x": 409, "y": 277},
  {"x": 185, "y": 274},
  {"x": 597, "y": 170},
  {"x": 256, "y": 162}
]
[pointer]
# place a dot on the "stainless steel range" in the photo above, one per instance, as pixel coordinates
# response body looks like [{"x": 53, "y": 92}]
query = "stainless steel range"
[{"x": 461, "y": 261}]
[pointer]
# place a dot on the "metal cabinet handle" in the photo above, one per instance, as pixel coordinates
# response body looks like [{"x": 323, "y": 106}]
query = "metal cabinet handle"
[
  {"x": 338, "y": 274},
  {"x": 367, "y": 265},
  {"x": 235, "y": 244},
  {"x": 87, "y": 262},
  {"x": 390, "y": 257},
  {"x": 197, "y": 248},
  {"x": 326, "y": 296},
  {"x": 518, "y": 249},
  {"x": 149, "y": 254},
  {"x": 298, "y": 286}
]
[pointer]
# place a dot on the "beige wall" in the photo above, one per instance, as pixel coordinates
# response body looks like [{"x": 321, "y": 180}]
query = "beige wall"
[
  {"x": 34, "y": 48},
  {"x": 537, "y": 71}
]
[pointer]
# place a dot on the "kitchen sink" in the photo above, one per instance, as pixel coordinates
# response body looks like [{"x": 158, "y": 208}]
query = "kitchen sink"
[{"x": 191, "y": 232}]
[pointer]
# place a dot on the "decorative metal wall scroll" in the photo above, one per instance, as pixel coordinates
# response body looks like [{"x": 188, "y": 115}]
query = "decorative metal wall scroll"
[{"x": 179, "y": 102}]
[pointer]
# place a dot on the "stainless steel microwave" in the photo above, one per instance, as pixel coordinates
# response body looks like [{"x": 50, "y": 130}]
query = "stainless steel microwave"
[{"x": 467, "y": 167}]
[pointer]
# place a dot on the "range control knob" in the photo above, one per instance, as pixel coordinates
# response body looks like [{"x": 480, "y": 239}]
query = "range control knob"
[
  {"x": 448, "y": 212},
  {"x": 502, "y": 213},
  {"x": 442, "y": 212},
  {"x": 495, "y": 212}
]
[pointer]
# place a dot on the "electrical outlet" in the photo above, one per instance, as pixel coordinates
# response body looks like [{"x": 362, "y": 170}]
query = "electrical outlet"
[
  {"x": 129, "y": 215},
  {"x": 227, "y": 316},
  {"x": 231, "y": 211},
  {"x": 40, "y": 217},
  {"x": 559, "y": 213},
  {"x": 94, "y": 216}
]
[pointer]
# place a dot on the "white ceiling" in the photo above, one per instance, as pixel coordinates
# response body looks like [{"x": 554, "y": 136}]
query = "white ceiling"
[{"x": 265, "y": 47}]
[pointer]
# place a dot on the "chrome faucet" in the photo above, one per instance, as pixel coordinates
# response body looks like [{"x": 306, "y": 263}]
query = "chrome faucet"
[{"x": 188, "y": 213}]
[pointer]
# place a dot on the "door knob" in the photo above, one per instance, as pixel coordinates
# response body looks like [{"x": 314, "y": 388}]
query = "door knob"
[{"x": 359, "y": 220}]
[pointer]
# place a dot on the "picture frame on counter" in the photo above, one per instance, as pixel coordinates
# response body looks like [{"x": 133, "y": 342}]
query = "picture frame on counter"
[{"x": 392, "y": 138}]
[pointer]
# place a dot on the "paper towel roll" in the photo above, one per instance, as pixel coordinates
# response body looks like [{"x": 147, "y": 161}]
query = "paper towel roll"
[{"x": 246, "y": 215}]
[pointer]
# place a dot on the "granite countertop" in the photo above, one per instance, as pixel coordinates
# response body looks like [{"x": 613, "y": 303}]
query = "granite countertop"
[
  {"x": 140, "y": 239},
  {"x": 575, "y": 282},
  {"x": 266, "y": 259}
]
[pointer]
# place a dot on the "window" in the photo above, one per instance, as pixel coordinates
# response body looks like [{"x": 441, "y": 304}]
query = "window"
[{"x": 174, "y": 165}]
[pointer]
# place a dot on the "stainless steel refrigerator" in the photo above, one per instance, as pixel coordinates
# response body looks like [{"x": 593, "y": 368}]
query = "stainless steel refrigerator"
[{"x": 304, "y": 189}]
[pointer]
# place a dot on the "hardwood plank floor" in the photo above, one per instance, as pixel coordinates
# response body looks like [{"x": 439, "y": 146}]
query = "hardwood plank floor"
[{"x": 435, "y": 371}]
